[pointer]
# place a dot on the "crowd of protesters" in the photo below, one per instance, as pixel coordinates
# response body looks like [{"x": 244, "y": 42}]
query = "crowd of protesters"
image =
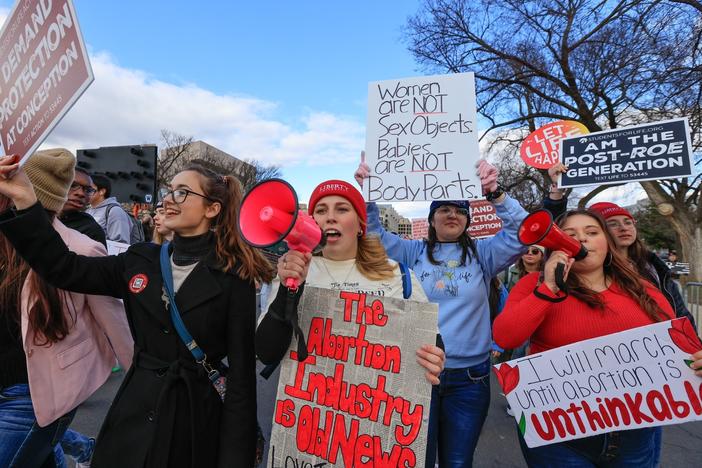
[{"x": 69, "y": 312}]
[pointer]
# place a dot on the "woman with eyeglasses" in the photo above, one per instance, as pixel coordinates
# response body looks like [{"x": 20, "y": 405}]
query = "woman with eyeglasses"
[
  {"x": 455, "y": 272},
  {"x": 167, "y": 412},
  {"x": 605, "y": 295},
  {"x": 622, "y": 226}
]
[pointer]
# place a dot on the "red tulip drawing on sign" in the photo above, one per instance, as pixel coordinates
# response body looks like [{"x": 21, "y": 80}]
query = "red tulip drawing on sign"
[
  {"x": 683, "y": 335},
  {"x": 508, "y": 377}
]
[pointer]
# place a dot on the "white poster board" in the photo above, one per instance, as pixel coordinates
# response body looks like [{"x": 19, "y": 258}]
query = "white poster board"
[
  {"x": 628, "y": 380},
  {"x": 421, "y": 139}
]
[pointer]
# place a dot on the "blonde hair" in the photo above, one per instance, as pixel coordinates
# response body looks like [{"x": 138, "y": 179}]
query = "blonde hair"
[{"x": 372, "y": 259}]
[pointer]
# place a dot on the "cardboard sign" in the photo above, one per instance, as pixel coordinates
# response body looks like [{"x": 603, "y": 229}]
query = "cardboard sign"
[
  {"x": 484, "y": 221},
  {"x": 421, "y": 141},
  {"x": 541, "y": 148},
  {"x": 632, "y": 379},
  {"x": 360, "y": 396},
  {"x": 44, "y": 69},
  {"x": 654, "y": 151}
]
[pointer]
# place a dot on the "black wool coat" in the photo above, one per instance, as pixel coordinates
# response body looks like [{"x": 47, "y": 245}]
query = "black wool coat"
[{"x": 166, "y": 412}]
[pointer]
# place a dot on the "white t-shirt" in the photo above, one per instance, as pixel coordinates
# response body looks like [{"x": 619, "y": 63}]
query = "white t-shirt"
[{"x": 344, "y": 275}]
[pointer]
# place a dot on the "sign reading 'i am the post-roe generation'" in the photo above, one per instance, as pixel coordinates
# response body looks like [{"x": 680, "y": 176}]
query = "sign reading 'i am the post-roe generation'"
[
  {"x": 655, "y": 151},
  {"x": 421, "y": 139},
  {"x": 44, "y": 69}
]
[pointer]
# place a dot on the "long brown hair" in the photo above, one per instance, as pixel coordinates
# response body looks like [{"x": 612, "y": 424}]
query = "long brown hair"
[
  {"x": 464, "y": 240},
  {"x": 46, "y": 315},
  {"x": 521, "y": 267},
  {"x": 231, "y": 250},
  {"x": 618, "y": 270}
]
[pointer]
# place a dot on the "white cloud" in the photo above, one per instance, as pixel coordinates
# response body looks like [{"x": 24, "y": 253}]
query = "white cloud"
[{"x": 125, "y": 106}]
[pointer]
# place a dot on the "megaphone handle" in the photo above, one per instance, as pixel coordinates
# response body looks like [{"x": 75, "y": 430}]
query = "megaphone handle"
[
  {"x": 560, "y": 274},
  {"x": 291, "y": 316}
]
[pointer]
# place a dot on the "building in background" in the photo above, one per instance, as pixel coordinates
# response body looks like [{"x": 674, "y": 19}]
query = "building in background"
[{"x": 392, "y": 221}]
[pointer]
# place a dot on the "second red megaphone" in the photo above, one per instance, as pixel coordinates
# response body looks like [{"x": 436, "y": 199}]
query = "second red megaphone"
[
  {"x": 269, "y": 215},
  {"x": 539, "y": 228}
]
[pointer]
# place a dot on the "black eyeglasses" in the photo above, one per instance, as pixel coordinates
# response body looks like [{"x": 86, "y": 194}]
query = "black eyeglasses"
[
  {"x": 179, "y": 195},
  {"x": 87, "y": 189},
  {"x": 533, "y": 251}
]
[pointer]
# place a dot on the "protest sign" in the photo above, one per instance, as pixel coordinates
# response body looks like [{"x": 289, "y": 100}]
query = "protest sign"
[
  {"x": 421, "y": 141},
  {"x": 632, "y": 379},
  {"x": 360, "y": 396},
  {"x": 654, "y": 151},
  {"x": 541, "y": 148},
  {"x": 420, "y": 228},
  {"x": 44, "y": 68},
  {"x": 484, "y": 221}
]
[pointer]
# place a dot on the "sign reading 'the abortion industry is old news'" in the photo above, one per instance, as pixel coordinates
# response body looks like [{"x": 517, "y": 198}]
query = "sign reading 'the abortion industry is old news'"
[
  {"x": 636, "y": 378},
  {"x": 654, "y": 151},
  {"x": 360, "y": 398},
  {"x": 44, "y": 69},
  {"x": 421, "y": 141}
]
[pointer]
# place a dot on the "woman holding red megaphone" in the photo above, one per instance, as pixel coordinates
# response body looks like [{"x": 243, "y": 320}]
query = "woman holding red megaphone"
[
  {"x": 349, "y": 261},
  {"x": 605, "y": 295},
  {"x": 168, "y": 412}
]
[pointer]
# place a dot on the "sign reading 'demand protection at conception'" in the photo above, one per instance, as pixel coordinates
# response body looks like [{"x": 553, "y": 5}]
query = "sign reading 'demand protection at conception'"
[
  {"x": 659, "y": 150},
  {"x": 421, "y": 141},
  {"x": 360, "y": 398},
  {"x": 44, "y": 69},
  {"x": 628, "y": 380}
]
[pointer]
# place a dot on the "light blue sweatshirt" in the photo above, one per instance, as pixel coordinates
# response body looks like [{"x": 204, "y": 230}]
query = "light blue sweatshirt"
[{"x": 460, "y": 291}]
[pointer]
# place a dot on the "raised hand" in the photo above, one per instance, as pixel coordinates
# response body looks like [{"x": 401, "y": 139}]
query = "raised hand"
[
  {"x": 363, "y": 170},
  {"x": 488, "y": 176},
  {"x": 14, "y": 183}
]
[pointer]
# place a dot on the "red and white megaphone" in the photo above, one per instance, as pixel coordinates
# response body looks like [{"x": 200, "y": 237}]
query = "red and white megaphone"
[
  {"x": 269, "y": 215},
  {"x": 539, "y": 228}
]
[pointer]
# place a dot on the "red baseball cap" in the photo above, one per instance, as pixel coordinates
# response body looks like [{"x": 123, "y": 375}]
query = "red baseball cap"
[
  {"x": 342, "y": 189},
  {"x": 608, "y": 209}
]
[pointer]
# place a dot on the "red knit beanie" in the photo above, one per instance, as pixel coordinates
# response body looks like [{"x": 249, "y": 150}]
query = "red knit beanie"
[
  {"x": 342, "y": 189},
  {"x": 608, "y": 209}
]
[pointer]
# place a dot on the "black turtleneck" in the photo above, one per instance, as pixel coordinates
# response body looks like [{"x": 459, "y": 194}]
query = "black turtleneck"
[{"x": 189, "y": 250}]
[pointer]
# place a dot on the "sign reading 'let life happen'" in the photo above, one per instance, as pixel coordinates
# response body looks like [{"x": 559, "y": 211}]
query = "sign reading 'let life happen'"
[
  {"x": 628, "y": 380},
  {"x": 421, "y": 141}
]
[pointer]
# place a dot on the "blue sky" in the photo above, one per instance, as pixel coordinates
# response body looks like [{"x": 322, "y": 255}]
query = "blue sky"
[{"x": 283, "y": 82}]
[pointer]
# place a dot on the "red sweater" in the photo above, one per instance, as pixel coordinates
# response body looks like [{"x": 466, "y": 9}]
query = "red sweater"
[{"x": 550, "y": 325}]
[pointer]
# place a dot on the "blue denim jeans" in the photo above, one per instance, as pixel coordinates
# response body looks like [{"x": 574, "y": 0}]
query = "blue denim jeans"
[
  {"x": 459, "y": 406},
  {"x": 77, "y": 446},
  {"x": 638, "y": 448},
  {"x": 23, "y": 444}
]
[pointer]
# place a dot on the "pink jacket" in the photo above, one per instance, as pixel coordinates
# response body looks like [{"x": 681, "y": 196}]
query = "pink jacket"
[{"x": 63, "y": 375}]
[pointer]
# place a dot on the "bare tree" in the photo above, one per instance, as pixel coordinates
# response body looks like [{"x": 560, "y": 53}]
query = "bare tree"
[
  {"x": 604, "y": 64},
  {"x": 175, "y": 149},
  {"x": 254, "y": 172}
]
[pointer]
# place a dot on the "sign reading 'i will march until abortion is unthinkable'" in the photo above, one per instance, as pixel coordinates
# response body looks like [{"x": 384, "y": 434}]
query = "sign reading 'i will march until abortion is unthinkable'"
[{"x": 628, "y": 380}]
